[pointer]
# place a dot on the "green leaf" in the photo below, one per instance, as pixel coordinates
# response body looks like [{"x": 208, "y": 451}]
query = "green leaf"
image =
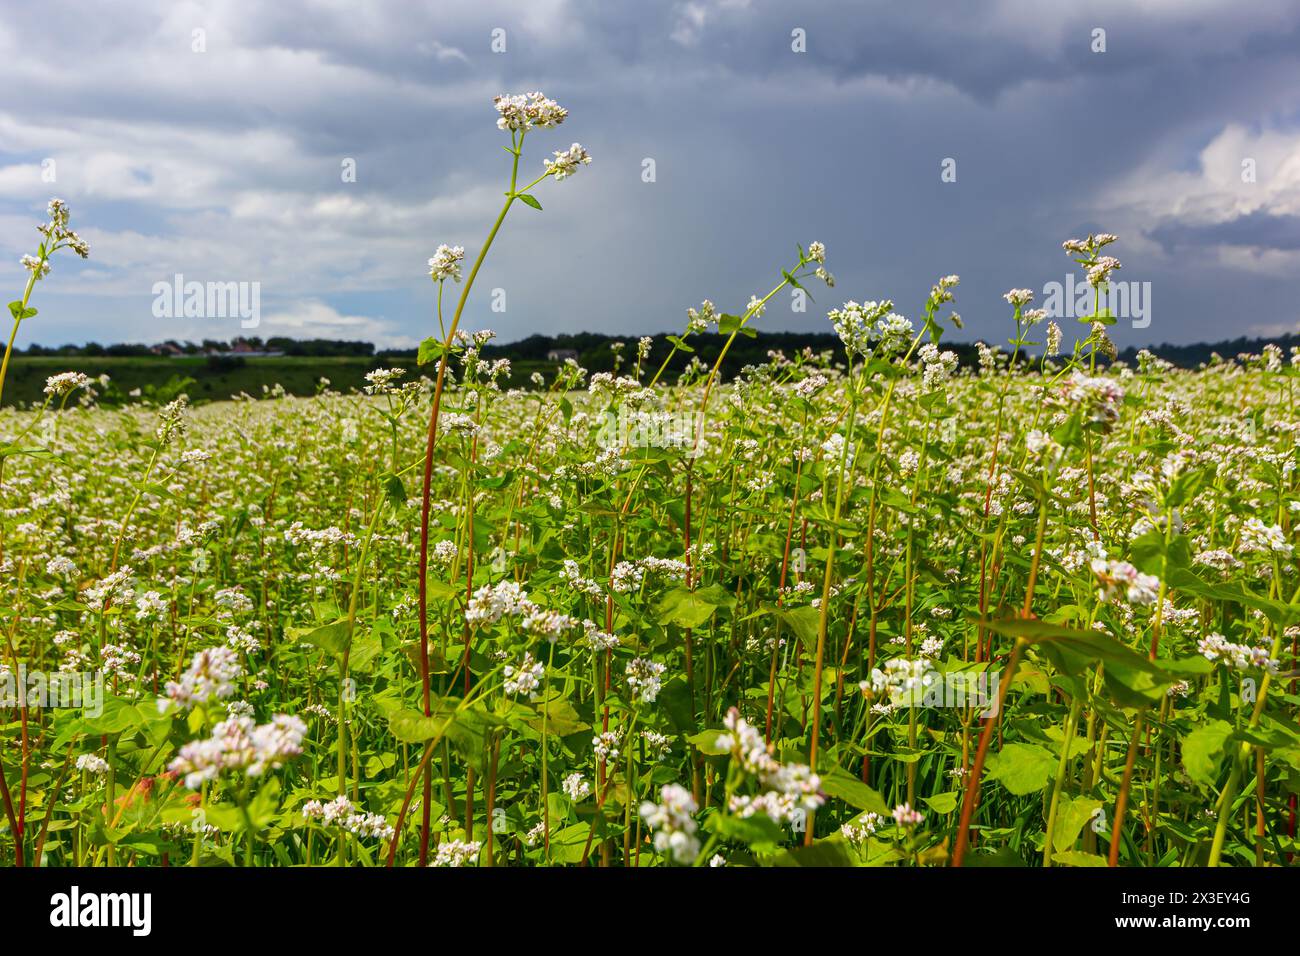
[
  {"x": 706, "y": 742},
  {"x": 528, "y": 200},
  {"x": 1184, "y": 487},
  {"x": 561, "y": 718},
  {"x": 159, "y": 491},
  {"x": 364, "y": 650},
  {"x": 334, "y": 638},
  {"x": 853, "y": 791},
  {"x": 821, "y": 853},
  {"x": 568, "y": 845},
  {"x": 731, "y": 324},
  {"x": 1071, "y": 815},
  {"x": 413, "y": 727},
  {"x": 262, "y": 808},
  {"x": 805, "y": 622},
  {"x": 1280, "y": 614},
  {"x": 1191, "y": 666},
  {"x": 687, "y": 608},
  {"x": 1022, "y": 768},
  {"x": 758, "y": 832},
  {"x": 1090, "y": 644},
  {"x": 1134, "y": 687},
  {"x": 43, "y": 453},
  {"x": 942, "y": 802},
  {"x": 1070, "y": 433},
  {"x": 675, "y": 702},
  {"x": 1203, "y": 751},
  {"x": 1079, "y": 858},
  {"x": 431, "y": 349},
  {"x": 394, "y": 489},
  {"x": 117, "y": 716}
]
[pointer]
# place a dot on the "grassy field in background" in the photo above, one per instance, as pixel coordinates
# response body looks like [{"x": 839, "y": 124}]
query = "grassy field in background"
[{"x": 215, "y": 379}]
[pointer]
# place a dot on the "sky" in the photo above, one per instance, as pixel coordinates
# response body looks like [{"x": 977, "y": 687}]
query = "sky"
[{"x": 214, "y": 140}]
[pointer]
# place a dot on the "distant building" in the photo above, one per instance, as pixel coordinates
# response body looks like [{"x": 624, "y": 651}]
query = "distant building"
[
  {"x": 561, "y": 355},
  {"x": 168, "y": 349},
  {"x": 242, "y": 349}
]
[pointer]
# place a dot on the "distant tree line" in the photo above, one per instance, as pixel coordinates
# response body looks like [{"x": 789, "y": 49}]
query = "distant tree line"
[
  {"x": 1190, "y": 356},
  {"x": 282, "y": 344},
  {"x": 592, "y": 349}
]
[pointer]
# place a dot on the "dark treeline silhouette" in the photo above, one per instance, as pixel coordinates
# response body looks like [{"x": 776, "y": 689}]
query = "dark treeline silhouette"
[
  {"x": 243, "y": 345},
  {"x": 592, "y": 349},
  {"x": 1190, "y": 356}
]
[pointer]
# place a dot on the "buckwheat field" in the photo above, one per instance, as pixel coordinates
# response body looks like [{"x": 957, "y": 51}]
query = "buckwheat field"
[{"x": 858, "y": 608}]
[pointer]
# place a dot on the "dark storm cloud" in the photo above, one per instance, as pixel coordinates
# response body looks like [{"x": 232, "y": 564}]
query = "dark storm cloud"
[
  {"x": 1259, "y": 228},
  {"x": 227, "y": 162}
]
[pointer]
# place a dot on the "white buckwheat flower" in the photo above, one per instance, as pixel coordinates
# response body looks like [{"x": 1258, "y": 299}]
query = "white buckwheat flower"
[
  {"x": 445, "y": 263},
  {"x": 525, "y": 111},
  {"x": 567, "y": 161},
  {"x": 211, "y": 676},
  {"x": 673, "y": 823},
  {"x": 576, "y": 788},
  {"x": 524, "y": 679}
]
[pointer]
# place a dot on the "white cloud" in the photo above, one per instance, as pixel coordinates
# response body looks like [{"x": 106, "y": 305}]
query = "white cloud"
[
  {"x": 694, "y": 15},
  {"x": 1158, "y": 196},
  {"x": 315, "y": 319}
]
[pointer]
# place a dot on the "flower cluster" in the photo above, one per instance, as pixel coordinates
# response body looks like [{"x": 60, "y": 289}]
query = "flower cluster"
[
  {"x": 673, "y": 823},
  {"x": 605, "y": 745},
  {"x": 856, "y": 324},
  {"x": 576, "y": 787},
  {"x": 905, "y": 816},
  {"x": 492, "y": 602},
  {"x": 381, "y": 380},
  {"x": 644, "y": 678},
  {"x": 936, "y": 366},
  {"x": 456, "y": 853},
  {"x": 445, "y": 263},
  {"x": 211, "y": 676},
  {"x": 341, "y": 812},
  {"x": 699, "y": 320},
  {"x": 56, "y": 386},
  {"x": 1216, "y": 647},
  {"x": 567, "y": 161},
  {"x": 524, "y": 678},
  {"x": 521, "y": 112},
  {"x": 790, "y": 787},
  {"x": 57, "y": 236},
  {"x": 902, "y": 682},
  {"x": 1259, "y": 538},
  {"x": 1098, "y": 267},
  {"x": 1120, "y": 581},
  {"x": 1098, "y": 396},
  {"x": 238, "y": 744}
]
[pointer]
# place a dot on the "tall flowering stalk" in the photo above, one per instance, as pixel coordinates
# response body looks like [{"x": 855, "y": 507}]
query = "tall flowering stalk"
[
  {"x": 873, "y": 336},
  {"x": 518, "y": 115},
  {"x": 55, "y": 235}
]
